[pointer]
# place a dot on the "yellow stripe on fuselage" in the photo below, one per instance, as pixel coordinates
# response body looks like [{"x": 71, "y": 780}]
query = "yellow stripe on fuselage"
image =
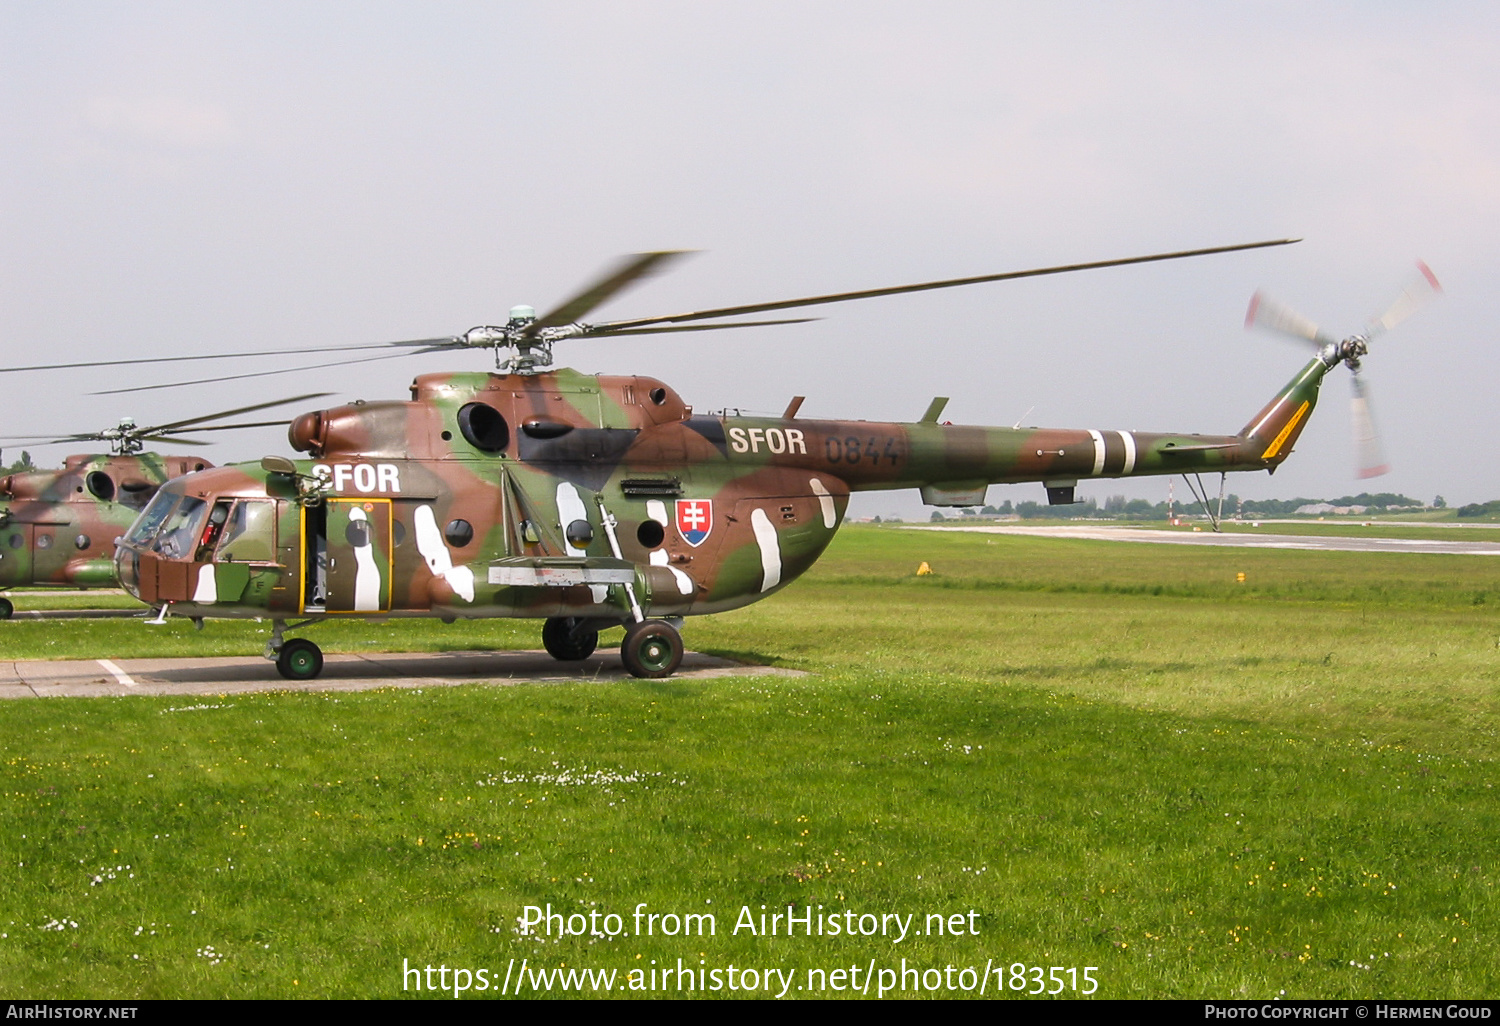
[{"x": 1286, "y": 432}]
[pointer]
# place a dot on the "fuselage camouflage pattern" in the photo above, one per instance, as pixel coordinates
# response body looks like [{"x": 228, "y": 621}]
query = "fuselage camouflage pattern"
[
  {"x": 59, "y": 527},
  {"x": 603, "y": 498}
]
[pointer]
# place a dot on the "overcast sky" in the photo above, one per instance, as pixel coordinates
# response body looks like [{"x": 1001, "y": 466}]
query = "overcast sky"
[{"x": 184, "y": 178}]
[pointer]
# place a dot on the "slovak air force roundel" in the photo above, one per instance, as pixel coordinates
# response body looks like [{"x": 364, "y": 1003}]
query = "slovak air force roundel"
[{"x": 695, "y": 519}]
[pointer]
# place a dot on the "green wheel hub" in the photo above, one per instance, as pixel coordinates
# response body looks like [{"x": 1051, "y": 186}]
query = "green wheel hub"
[{"x": 652, "y": 648}]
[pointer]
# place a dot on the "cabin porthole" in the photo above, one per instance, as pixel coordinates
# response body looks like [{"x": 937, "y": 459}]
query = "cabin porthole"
[
  {"x": 650, "y": 534},
  {"x": 579, "y": 534},
  {"x": 459, "y": 533}
]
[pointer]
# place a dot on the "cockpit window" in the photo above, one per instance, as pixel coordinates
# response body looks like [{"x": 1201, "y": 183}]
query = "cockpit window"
[
  {"x": 147, "y": 523},
  {"x": 250, "y": 535},
  {"x": 179, "y": 534}
]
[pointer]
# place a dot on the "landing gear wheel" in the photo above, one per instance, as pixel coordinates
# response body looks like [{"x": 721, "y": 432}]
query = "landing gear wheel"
[
  {"x": 6, "y": 608},
  {"x": 652, "y": 648},
  {"x": 565, "y": 643},
  {"x": 299, "y": 659}
]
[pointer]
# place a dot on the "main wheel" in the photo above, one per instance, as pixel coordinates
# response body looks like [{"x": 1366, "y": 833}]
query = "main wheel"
[
  {"x": 565, "y": 643},
  {"x": 6, "y": 608},
  {"x": 652, "y": 648},
  {"x": 299, "y": 659}
]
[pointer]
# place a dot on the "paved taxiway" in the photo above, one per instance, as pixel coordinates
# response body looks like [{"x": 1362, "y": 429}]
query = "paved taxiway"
[
  {"x": 1247, "y": 540},
  {"x": 227, "y": 675}
]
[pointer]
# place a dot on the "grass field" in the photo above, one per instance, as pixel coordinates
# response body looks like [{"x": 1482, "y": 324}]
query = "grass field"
[{"x": 1113, "y": 755}]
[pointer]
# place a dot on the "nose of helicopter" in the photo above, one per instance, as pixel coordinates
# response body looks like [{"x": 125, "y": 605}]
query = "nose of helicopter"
[{"x": 128, "y": 568}]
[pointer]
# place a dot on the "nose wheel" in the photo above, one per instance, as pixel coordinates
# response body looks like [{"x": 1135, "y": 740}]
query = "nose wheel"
[
  {"x": 299, "y": 659},
  {"x": 652, "y": 648}
]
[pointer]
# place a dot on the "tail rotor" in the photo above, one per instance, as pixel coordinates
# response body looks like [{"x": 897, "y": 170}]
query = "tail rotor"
[{"x": 1267, "y": 313}]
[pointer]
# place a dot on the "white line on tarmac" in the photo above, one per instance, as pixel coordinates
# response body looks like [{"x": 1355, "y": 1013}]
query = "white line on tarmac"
[{"x": 119, "y": 674}]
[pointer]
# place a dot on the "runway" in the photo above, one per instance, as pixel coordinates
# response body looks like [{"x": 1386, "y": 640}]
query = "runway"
[
  {"x": 1246, "y": 540},
  {"x": 92, "y": 678}
]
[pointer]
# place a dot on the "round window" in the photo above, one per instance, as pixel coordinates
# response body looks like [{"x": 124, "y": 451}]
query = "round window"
[
  {"x": 579, "y": 534},
  {"x": 459, "y": 533},
  {"x": 44, "y": 541},
  {"x": 357, "y": 533},
  {"x": 650, "y": 533},
  {"x": 82, "y": 541}
]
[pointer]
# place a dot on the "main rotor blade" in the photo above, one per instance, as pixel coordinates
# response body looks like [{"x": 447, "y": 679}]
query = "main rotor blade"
[
  {"x": 699, "y": 327},
  {"x": 172, "y": 440},
  {"x": 1266, "y": 313},
  {"x": 841, "y": 297},
  {"x": 626, "y": 272},
  {"x": 49, "y": 440},
  {"x": 176, "y": 424},
  {"x": 1420, "y": 291},
  {"x": 1367, "y": 448},
  {"x": 256, "y": 374},
  {"x": 204, "y": 356}
]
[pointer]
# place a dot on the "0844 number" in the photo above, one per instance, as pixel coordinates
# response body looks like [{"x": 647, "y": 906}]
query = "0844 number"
[{"x": 861, "y": 450}]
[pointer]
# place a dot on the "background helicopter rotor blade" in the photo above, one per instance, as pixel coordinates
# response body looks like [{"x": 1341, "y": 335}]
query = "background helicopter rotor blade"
[
  {"x": 222, "y": 427},
  {"x": 1368, "y": 452},
  {"x": 895, "y": 290},
  {"x": 177, "y": 424},
  {"x": 127, "y": 433},
  {"x": 625, "y": 273},
  {"x": 1266, "y": 313},
  {"x": 1419, "y": 292}
]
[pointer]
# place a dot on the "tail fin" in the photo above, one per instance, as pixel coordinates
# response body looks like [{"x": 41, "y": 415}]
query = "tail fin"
[{"x": 1275, "y": 428}]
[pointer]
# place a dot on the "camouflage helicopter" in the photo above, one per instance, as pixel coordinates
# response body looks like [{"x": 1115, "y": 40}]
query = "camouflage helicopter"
[
  {"x": 59, "y": 527},
  {"x": 594, "y": 501}
]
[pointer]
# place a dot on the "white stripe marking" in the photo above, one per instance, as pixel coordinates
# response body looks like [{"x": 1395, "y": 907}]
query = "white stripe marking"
[
  {"x": 366, "y": 570},
  {"x": 119, "y": 674},
  {"x": 770, "y": 549},
  {"x": 1269, "y": 414},
  {"x": 830, "y": 517},
  {"x": 208, "y": 588},
  {"x": 1129, "y": 440},
  {"x": 658, "y": 557},
  {"x": 1098, "y": 452},
  {"x": 570, "y": 507},
  {"x": 435, "y": 551}
]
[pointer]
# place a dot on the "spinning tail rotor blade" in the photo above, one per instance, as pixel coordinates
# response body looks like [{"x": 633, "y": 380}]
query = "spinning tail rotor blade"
[
  {"x": 1420, "y": 291},
  {"x": 1266, "y": 313},
  {"x": 1367, "y": 448}
]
